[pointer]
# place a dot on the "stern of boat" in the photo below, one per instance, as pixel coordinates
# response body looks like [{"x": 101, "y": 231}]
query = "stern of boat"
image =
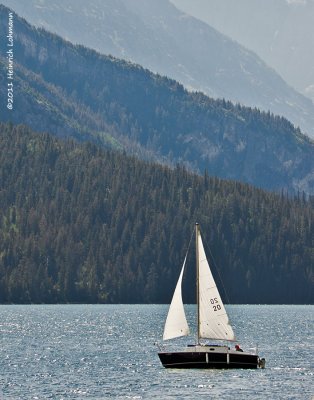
[{"x": 261, "y": 363}]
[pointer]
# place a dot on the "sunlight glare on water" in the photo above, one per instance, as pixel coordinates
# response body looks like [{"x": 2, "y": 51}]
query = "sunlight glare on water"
[{"x": 108, "y": 352}]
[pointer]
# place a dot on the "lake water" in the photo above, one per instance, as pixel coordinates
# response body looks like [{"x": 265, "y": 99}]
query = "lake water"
[{"x": 108, "y": 352}]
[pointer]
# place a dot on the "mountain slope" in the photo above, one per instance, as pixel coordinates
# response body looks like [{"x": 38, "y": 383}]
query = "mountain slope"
[
  {"x": 280, "y": 32},
  {"x": 163, "y": 39},
  {"x": 71, "y": 90},
  {"x": 80, "y": 224}
]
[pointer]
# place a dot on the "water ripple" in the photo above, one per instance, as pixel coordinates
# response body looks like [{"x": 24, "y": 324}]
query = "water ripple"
[{"x": 107, "y": 352}]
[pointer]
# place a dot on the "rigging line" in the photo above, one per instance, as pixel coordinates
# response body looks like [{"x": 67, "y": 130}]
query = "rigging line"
[
  {"x": 217, "y": 269},
  {"x": 192, "y": 234},
  {"x": 188, "y": 249},
  {"x": 189, "y": 245}
]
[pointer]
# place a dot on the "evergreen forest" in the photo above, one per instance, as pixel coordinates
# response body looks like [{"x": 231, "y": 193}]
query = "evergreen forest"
[{"x": 79, "y": 223}]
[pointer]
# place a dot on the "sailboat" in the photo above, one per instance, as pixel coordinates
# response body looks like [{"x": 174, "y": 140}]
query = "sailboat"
[{"x": 212, "y": 323}]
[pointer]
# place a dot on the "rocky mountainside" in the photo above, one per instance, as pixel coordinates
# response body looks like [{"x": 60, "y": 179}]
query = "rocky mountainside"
[
  {"x": 163, "y": 39},
  {"x": 70, "y": 90}
]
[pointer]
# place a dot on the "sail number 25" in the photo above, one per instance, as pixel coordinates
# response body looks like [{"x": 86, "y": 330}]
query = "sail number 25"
[{"x": 214, "y": 302}]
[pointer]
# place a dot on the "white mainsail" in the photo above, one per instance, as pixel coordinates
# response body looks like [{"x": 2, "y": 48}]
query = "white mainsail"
[
  {"x": 213, "y": 319},
  {"x": 176, "y": 324}
]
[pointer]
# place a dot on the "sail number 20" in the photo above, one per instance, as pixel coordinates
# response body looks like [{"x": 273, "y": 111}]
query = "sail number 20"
[{"x": 214, "y": 302}]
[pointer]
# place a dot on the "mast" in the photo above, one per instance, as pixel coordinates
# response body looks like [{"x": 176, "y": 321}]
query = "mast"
[{"x": 197, "y": 284}]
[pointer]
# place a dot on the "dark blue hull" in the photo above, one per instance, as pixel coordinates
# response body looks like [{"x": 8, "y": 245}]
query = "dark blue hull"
[{"x": 208, "y": 360}]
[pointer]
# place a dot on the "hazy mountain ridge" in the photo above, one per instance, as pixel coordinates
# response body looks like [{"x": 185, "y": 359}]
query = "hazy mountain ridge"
[
  {"x": 163, "y": 39},
  {"x": 105, "y": 98},
  {"x": 280, "y": 32}
]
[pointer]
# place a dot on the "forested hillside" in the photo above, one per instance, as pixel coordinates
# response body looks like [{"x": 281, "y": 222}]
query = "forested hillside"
[
  {"x": 70, "y": 90},
  {"x": 83, "y": 224}
]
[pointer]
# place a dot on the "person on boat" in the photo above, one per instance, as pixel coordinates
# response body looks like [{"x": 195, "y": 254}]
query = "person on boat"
[{"x": 238, "y": 348}]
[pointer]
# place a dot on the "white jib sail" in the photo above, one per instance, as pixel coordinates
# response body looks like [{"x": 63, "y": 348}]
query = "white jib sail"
[
  {"x": 213, "y": 319},
  {"x": 176, "y": 324}
]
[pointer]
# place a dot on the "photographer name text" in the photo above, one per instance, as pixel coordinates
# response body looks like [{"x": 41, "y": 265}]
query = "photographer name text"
[{"x": 10, "y": 64}]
